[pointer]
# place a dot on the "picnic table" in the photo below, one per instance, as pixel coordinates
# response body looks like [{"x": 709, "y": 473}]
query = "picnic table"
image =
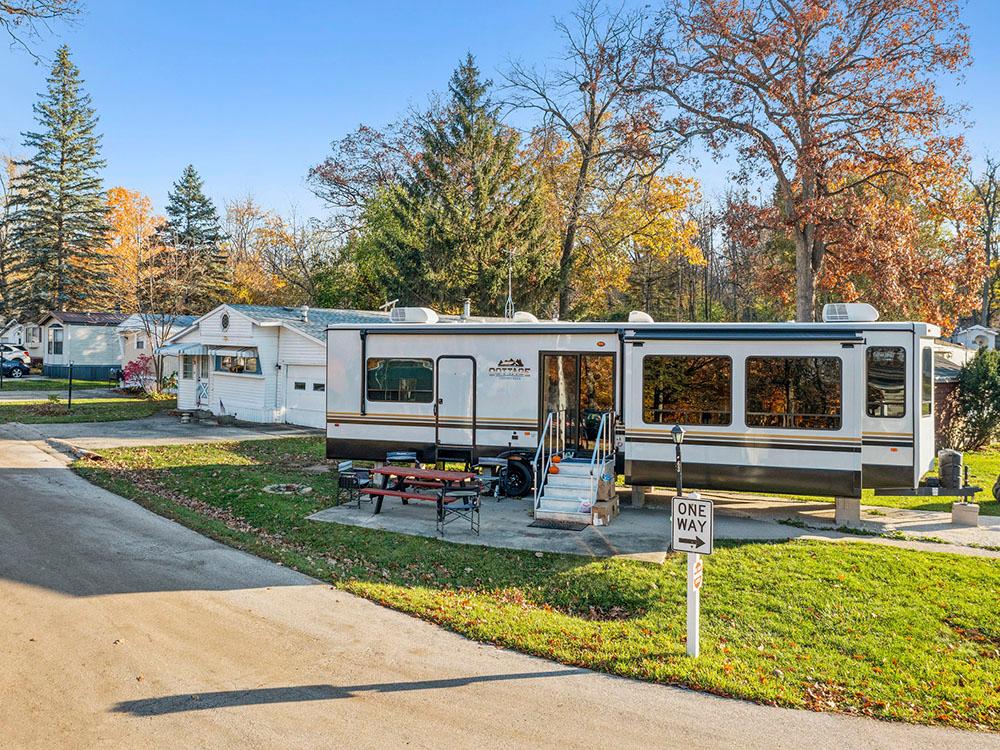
[{"x": 414, "y": 483}]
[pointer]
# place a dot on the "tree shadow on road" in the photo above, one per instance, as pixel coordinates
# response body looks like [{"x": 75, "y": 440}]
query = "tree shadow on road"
[{"x": 171, "y": 704}]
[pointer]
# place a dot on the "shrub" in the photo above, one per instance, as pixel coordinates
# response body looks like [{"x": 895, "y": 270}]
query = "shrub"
[{"x": 977, "y": 401}]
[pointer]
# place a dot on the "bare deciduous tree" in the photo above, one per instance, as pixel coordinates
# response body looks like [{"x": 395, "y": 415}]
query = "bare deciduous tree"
[
  {"x": 359, "y": 166},
  {"x": 25, "y": 19},
  {"x": 589, "y": 100},
  {"x": 986, "y": 188}
]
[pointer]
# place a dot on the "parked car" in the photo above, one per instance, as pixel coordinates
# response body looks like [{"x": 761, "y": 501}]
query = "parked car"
[
  {"x": 15, "y": 352},
  {"x": 14, "y": 368}
]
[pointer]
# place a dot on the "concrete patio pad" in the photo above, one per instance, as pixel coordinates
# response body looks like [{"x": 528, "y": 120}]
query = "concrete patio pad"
[
  {"x": 643, "y": 535},
  {"x": 637, "y": 533}
]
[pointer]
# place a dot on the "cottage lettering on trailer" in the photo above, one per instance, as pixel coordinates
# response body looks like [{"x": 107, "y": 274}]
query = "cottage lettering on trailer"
[{"x": 510, "y": 369}]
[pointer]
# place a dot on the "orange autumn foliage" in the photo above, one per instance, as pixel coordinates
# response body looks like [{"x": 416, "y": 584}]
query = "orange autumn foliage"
[{"x": 130, "y": 244}]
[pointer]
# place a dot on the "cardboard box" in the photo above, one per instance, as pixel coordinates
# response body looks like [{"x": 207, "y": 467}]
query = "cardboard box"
[{"x": 604, "y": 511}]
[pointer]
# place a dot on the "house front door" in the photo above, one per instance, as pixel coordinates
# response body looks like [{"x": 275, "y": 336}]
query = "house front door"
[{"x": 201, "y": 382}]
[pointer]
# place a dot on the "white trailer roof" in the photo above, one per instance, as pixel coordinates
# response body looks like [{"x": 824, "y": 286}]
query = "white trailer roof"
[{"x": 652, "y": 330}]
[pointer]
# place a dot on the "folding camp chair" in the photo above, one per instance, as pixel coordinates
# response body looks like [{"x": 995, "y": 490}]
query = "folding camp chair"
[{"x": 351, "y": 481}]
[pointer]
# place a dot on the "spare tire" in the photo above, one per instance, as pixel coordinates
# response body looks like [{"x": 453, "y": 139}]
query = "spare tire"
[
  {"x": 950, "y": 468},
  {"x": 516, "y": 478}
]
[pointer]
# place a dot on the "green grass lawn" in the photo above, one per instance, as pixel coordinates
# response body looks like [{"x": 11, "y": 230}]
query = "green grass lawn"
[
  {"x": 52, "y": 384},
  {"x": 854, "y": 628},
  {"x": 84, "y": 410},
  {"x": 984, "y": 468}
]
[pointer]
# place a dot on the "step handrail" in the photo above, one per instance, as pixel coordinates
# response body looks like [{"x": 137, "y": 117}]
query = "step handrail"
[
  {"x": 603, "y": 448},
  {"x": 551, "y": 440}
]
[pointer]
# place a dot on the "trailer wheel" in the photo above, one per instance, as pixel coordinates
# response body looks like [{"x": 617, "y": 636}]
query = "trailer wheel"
[{"x": 515, "y": 479}]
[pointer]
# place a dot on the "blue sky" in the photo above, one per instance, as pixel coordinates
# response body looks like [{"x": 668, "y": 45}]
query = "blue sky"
[{"x": 252, "y": 92}]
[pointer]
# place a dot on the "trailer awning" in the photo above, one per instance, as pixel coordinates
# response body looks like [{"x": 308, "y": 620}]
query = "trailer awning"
[{"x": 188, "y": 350}]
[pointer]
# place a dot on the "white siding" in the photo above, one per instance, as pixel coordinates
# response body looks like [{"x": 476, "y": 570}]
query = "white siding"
[
  {"x": 92, "y": 345},
  {"x": 253, "y": 398},
  {"x": 297, "y": 349},
  {"x": 240, "y": 327}
]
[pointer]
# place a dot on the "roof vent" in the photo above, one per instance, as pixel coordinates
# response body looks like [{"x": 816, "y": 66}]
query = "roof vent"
[
  {"x": 638, "y": 316},
  {"x": 413, "y": 315},
  {"x": 524, "y": 317},
  {"x": 304, "y": 312},
  {"x": 849, "y": 312}
]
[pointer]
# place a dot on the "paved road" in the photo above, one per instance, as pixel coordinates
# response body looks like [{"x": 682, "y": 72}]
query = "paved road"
[
  {"x": 159, "y": 429},
  {"x": 121, "y": 629}
]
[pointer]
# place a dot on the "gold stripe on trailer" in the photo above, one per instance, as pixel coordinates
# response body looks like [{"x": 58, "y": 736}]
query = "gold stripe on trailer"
[
  {"x": 430, "y": 417},
  {"x": 644, "y": 432}
]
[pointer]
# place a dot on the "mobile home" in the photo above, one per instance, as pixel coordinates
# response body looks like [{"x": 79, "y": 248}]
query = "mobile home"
[
  {"x": 818, "y": 408},
  {"x": 88, "y": 340}
]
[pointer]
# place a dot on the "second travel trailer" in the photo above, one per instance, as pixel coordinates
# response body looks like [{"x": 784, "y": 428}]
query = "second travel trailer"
[{"x": 813, "y": 408}]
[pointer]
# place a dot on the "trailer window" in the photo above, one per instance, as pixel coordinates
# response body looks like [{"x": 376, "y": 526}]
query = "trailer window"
[
  {"x": 801, "y": 393},
  {"x": 927, "y": 382},
  {"x": 406, "y": 380},
  {"x": 687, "y": 390},
  {"x": 886, "y": 381}
]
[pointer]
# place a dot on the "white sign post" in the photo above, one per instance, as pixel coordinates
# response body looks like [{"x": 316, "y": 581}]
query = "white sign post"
[{"x": 691, "y": 531}]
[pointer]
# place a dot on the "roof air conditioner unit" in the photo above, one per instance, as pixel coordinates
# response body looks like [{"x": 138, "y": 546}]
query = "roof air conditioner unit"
[
  {"x": 638, "y": 316},
  {"x": 849, "y": 312},
  {"x": 524, "y": 317},
  {"x": 413, "y": 315}
]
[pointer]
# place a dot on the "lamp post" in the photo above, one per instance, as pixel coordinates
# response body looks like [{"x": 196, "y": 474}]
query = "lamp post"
[{"x": 678, "y": 435}]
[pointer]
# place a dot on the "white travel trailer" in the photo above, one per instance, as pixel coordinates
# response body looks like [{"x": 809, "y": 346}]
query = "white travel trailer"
[{"x": 817, "y": 408}]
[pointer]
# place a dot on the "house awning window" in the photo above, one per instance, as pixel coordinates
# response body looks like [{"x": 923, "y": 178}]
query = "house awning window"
[
  {"x": 233, "y": 351},
  {"x": 188, "y": 350}
]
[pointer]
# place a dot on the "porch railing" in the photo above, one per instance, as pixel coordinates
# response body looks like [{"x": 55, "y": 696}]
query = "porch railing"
[
  {"x": 551, "y": 441},
  {"x": 604, "y": 447}
]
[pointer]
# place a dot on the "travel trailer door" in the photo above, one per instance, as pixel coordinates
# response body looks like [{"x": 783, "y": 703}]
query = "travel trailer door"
[{"x": 455, "y": 408}]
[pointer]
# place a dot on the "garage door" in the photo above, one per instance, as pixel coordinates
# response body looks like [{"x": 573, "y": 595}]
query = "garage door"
[{"x": 305, "y": 398}]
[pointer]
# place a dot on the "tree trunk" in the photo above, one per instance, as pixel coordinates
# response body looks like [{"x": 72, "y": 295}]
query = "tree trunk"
[
  {"x": 805, "y": 276},
  {"x": 984, "y": 315},
  {"x": 567, "y": 255}
]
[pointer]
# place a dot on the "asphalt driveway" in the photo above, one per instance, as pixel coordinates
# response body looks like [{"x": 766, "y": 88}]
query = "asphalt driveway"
[
  {"x": 119, "y": 628},
  {"x": 160, "y": 429}
]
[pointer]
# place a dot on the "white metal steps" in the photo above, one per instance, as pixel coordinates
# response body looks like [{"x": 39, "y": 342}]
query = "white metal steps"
[{"x": 570, "y": 494}]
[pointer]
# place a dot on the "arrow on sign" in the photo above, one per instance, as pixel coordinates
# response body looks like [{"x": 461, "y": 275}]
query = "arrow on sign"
[{"x": 697, "y": 541}]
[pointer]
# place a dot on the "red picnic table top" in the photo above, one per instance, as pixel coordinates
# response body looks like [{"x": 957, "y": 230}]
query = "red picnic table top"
[{"x": 410, "y": 472}]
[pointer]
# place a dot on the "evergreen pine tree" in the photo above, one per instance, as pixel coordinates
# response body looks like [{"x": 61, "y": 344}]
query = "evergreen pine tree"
[
  {"x": 193, "y": 234},
  {"x": 58, "y": 209},
  {"x": 468, "y": 205}
]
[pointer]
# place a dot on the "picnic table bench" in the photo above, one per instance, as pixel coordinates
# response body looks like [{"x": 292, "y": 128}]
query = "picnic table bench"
[{"x": 455, "y": 493}]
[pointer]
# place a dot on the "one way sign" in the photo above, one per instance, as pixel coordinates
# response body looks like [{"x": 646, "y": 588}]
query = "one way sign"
[{"x": 691, "y": 520}]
